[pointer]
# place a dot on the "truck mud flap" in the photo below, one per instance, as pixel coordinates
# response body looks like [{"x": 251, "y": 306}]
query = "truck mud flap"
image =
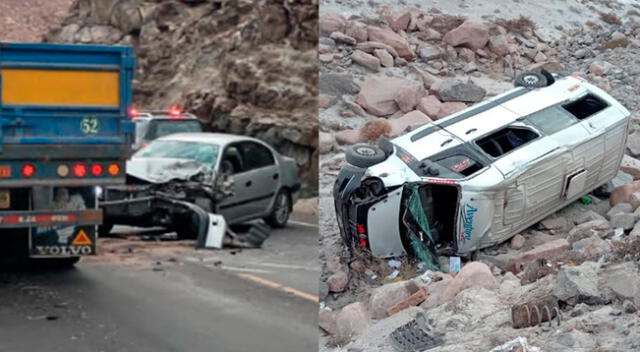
[{"x": 62, "y": 241}]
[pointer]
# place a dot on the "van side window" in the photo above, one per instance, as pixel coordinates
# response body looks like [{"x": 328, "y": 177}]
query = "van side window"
[
  {"x": 585, "y": 106},
  {"x": 551, "y": 120},
  {"x": 506, "y": 140}
]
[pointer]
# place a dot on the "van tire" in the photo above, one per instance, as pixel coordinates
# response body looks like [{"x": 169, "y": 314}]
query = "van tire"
[
  {"x": 531, "y": 80},
  {"x": 364, "y": 155}
]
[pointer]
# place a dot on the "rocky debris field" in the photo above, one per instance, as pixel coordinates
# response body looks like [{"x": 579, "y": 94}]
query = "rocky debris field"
[
  {"x": 386, "y": 70},
  {"x": 29, "y": 20},
  {"x": 244, "y": 67}
]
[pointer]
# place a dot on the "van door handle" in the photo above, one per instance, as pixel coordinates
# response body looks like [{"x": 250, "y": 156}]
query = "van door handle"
[
  {"x": 248, "y": 184},
  {"x": 276, "y": 176}
]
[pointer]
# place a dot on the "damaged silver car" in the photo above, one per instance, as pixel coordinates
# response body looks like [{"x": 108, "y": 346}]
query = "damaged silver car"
[
  {"x": 175, "y": 181},
  {"x": 477, "y": 177}
]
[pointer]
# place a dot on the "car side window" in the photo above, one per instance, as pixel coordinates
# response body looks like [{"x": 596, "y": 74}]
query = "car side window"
[
  {"x": 505, "y": 140},
  {"x": 585, "y": 106},
  {"x": 232, "y": 161},
  {"x": 256, "y": 156},
  {"x": 551, "y": 120}
]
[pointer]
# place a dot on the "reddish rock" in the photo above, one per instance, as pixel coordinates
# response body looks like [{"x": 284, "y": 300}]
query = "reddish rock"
[
  {"x": 384, "y": 297},
  {"x": 430, "y": 34},
  {"x": 357, "y": 30},
  {"x": 385, "y": 58},
  {"x": 412, "y": 119},
  {"x": 327, "y": 321},
  {"x": 340, "y": 37},
  {"x": 357, "y": 266},
  {"x": 449, "y": 108},
  {"x": 471, "y": 34},
  {"x": 407, "y": 97},
  {"x": 398, "y": 21},
  {"x": 467, "y": 54},
  {"x": 598, "y": 227},
  {"x": 349, "y": 137},
  {"x": 600, "y": 68},
  {"x": 546, "y": 251},
  {"x": 370, "y": 47},
  {"x": 517, "y": 242},
  {"x": 331, "y": 22},
  {"x": 367, "y": 60},
  {"x": 373, "y": 130},
  {"x": 338, "y": 281},
  {"x": 540, "y": 57},
  {"x": 325, "y": 101},
  {"x": 557, "y": 224},
  {"x": 474, "y": 274},
  {"x": 430, "y": 105},
  {"x": 412, "y": 301},
  {"x": 631, "y": 166},
  {"x": 499, "y": 45},
  {"x": 377, "y": 94},
  {"x": 352, "y": 320},
  {"x": 357, "y": 109},
  {"x": 391, "y": 38},
  {"x": 622, "y": 194},
  {"x": 428, "y": 80}
]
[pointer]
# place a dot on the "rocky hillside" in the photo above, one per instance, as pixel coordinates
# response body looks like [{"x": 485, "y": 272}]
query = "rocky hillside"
[
  {"x": 388, "y": 69},
  {"x": 29, "y": 20},
  {"x": 245, "y": 67}
]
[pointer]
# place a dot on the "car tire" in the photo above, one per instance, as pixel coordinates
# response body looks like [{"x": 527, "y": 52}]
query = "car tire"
[
  {"x": 364, "y": 155},
  {"x": 281, "y": 211},
  {"x": 531, "y": 80},
  {"x": 105, "y": 229}
]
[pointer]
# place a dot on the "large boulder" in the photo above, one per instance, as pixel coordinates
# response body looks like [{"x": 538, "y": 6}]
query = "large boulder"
[
  {"x": 393, "y": 39},
  {"x": 622, "y": 194},
  {"x": 352, "y": 320},
  {"x": 331, "y": 22},
  {"x": 409, "y": 120},
  {"x": 386, "y": 296},
  {"x": 456, "y": 90},
  {"x": 408, "y": 96},
  {"x": 449, "y": 108},
  {"x": 631, "y": 166},
  {"x": 474, "y": 274},
  {"x": 367, "y": 60},
  {"x": 545, "y": 251},
  {"x": 377, "y": 94},
  {"x": 357, "y": 30},
  {"x": 430, "y": 105},
  {"x": 471, "y": 34},
  {"x": 577, "y": 284}
]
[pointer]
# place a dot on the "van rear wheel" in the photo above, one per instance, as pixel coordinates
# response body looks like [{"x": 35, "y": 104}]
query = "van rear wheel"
[{"x": 531, "y": 80}]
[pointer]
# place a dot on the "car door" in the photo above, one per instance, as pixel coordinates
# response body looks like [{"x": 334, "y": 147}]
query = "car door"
[
  {"x": 265, "y": 175},
  {"x": 237, "y": 206}
]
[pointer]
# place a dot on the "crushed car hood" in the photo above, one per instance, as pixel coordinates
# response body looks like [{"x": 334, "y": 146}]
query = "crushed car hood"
[{"x": 162, "y": 170}]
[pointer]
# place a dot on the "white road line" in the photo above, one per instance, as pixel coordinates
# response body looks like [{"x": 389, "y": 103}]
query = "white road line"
[
  {"x": 244, "y": 270},
  {"x": 302, "y": 223}
]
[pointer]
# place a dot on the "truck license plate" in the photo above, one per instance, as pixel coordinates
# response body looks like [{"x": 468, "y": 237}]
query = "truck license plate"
[
  {"x": 5, "y": 171},
  {"x": 5, "y": 199}
]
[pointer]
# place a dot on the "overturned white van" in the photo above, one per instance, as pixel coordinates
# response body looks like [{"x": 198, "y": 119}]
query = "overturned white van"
[{"x": 476, "y": 178}]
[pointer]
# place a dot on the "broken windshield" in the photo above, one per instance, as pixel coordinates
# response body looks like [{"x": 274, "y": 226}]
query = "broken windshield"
[{"x": 205, "y": 153}]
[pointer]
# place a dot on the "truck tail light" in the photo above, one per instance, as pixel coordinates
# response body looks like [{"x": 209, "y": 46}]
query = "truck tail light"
[
  {"x": 62, "y": 170},
  {"x": 113, "y": 169},
  {"x": 97, "y": 169},
  {"x": 80, "y": 170},
  {"x": 28, "y": 170}
]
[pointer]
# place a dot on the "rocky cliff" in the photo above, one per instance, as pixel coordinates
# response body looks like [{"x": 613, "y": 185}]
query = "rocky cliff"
[{"x": 246, "y": 66}]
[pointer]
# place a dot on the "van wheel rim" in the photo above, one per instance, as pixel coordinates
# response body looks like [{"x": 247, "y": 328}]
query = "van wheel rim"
[
  {"x": 531, "y": 79},
  {"x": 366, "y": 151},
  {"x": 282, "y": 208}
]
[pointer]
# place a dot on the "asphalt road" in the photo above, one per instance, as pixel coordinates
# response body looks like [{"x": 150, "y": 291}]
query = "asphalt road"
[{"x": 252, "y": 300}]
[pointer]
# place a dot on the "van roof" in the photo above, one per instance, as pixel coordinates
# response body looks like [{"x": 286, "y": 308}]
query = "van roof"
[{"x": 489, "y": 115}]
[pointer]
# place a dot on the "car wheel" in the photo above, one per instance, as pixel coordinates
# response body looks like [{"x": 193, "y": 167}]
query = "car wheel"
[
  {"x": 364, "y": 155},
  {"x": 281, "y": 210},
  {"x": 531, "y": 80},
  {"x": 105, "y": 229}
]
